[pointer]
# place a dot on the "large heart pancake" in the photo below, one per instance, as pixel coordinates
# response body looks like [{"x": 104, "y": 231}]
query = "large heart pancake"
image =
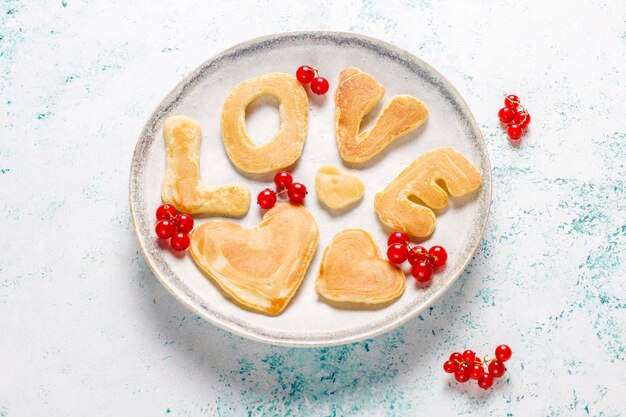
[
  {"x": 353, "y": 271},
  {"x": 261, "y": 267}
]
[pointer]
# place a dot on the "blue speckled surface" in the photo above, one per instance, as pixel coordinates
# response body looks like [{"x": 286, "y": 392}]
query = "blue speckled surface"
[{"x": 86, "y": 329}]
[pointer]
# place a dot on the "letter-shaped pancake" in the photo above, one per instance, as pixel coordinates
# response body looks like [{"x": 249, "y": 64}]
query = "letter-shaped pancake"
[
  {"x": 260, "y": 267},
  {"x": 357, "y": 94},
  {"x": 337, "y": 190},
  {"x": 286, "y": 147},
  {"x": 353, "y": 271},
  {"x": 394, "y": 205},
  {"x": 181, "y": 183}
]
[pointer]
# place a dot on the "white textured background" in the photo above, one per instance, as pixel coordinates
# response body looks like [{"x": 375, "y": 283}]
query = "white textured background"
[{"x": 86, "y": 329}]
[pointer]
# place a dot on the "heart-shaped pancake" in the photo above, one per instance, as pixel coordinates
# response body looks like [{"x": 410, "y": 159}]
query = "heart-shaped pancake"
[
  {"x": 336, "y": 189},
  {"x": 353, "y": 271},
  {"x": 261, "y": 267}
]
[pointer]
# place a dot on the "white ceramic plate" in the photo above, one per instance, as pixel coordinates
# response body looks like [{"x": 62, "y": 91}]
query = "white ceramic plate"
[{"x": 308, "y": 321}]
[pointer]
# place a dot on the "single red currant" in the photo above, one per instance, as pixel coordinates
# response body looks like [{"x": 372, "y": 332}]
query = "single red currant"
[
  {"x": 506, "y": 115},
  {"x": 398, "y": 237},
  {"x": 511, "y": 101},
  {"x": 496, "y": 368},
  {"x": 450, "y": 366},
  {"x": 462, "y": 374},
  {"x": 397, "y": 253},
  {"x": 515, "y": 132},
  {"x": 457, "y": 357},
  {"x": 486, "y": 381},
  {"x": 305, "y": 74},
  {"x": 416, "y": 254},
  {"x": 184, "y": 223},
  {"x": 180, "y": 241},
  {"x": 266, "y": 199},
  {"x": 283, "y": 180},
  {"x": 319, "y": 86},
  {"x": 165, "y": 228},
  {"x": 297, "y": 192},
  {"x": 439, "y": 256},
  {"x": 165, "y": 211},
  {"x": 476, "y": 371},
  {"x": 522, "y": 119},
  {"x": 469, "y": 356},
  {"x": 422, "y": 271},
  {"x": 503, "y": 353}
]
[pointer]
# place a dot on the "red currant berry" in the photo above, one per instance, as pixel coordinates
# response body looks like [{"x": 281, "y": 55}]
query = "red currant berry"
[
  {"x": 486, "y": 381},
  {"x": 522, "y": 119},
  {"x": 283, "y": 180},
  {"x": 511, "y": 101},
  {"x": 450, "y": 366},
  {"x": 440, "y": 256},
  {"x": 319, "y": 86},
  {"x": 503, "y": 353},
  {"x": 165, "y": 228},
  {"x": 462, "y": 374},
  {"x": 397, "y": 253},
  {"x": 184, "y": 223},
  {"x": 422, "y": 271},
  {"x": 266, "y": 199},
  {"x": 165, "y": 211},
  {"x": 496, "y": 368},
  {"x": 469, "y": 356},
  {"x": 515, "y": 132},
  {"x": 506, "y": 115},
  {"x": 305, "y": 74},
  {"x": 180, "y": 241},
  {"x": 398, "y": 237},
  {"x": 416, "y": 254},
  {"x": 457, "y": 357},
  {"x": 297, "y": 192},
  {"x": 476, "y": 371}
]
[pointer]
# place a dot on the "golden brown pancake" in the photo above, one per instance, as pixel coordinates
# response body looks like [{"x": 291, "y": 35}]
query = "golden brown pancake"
[
  {"x": 353, "y": 271},
  {"x": 357, "y": 94},
  {"x": 261, "y": 267},
  {"x": 181, "y": 183},
  {"x": 286, "y": 147},
  {"x": 419, "y": 180},
  {"x": 336, "y": 189}
]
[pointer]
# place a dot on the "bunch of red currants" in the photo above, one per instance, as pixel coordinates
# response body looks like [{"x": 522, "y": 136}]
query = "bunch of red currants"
[
  {"x": 423, "y": 262},
  {"x": 174, "y": 226},
  {"x": 466, "y": 366},
  {"x": 284, "y": 183},
  {"x": 514, "y": 117},
  {"x": 309, "y": 75}
]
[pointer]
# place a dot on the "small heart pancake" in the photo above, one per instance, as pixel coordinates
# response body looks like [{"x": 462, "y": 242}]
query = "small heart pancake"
[
  {"x": 353, "y": 271},
  {"x": 260, "y": 267},
  {"x": 336, "y": 189}
]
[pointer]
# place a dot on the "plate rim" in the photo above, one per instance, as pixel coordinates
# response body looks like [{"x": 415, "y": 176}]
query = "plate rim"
[{"x": 267, "y": 337}]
